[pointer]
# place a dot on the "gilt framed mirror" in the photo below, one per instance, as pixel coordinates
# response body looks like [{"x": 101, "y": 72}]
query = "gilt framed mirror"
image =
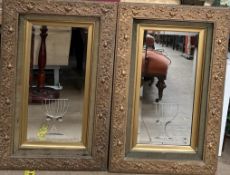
[
  {"x": 168, "y": 88},
  {"x": 56, "y": 70}
]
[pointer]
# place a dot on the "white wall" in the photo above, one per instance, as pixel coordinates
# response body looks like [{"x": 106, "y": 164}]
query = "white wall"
[{"x": 225, "y": 105}]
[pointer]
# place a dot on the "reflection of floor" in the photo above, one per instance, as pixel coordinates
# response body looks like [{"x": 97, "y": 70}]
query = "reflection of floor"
[
  {"x": 67, "y": 130},
  {"x": 169, "y": 121}
]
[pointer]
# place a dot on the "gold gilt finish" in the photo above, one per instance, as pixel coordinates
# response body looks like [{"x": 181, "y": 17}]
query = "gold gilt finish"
[
  {"x": 198, "y": 87},
  {"x": 61, "y": 156},
  {"x": 120, "y": 159},
  {"x": 24, "y": 143}
]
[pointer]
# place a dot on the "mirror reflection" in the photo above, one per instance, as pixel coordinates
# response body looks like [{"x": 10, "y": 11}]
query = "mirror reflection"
[
  {"x": 168, "y": 73},
  {"x": 58, "y": 83}
]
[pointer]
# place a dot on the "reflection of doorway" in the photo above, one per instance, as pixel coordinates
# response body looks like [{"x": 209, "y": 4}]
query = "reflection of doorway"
[{"x": 78, "y": 48}]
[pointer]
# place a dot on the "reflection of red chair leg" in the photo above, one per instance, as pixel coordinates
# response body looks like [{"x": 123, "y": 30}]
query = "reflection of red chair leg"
[{"x": 161, "y": 86}]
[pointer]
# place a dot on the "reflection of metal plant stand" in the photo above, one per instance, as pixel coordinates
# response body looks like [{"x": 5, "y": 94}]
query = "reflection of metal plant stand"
[
  {"x": 55, "y": 109},
  {"x": 167, "y": 112}
]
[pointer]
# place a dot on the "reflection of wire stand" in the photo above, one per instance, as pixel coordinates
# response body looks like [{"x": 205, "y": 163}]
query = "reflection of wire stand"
[
  {"x": 163, "y": 119},
  {"x": 55, "y": 109}
]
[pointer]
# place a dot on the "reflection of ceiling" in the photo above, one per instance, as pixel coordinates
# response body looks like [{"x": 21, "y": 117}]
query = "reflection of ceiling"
[{"x": 178, "y": 33}]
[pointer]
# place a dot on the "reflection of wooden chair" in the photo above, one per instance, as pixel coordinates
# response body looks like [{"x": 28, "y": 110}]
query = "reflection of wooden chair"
[{"x": 154, "y": 64}]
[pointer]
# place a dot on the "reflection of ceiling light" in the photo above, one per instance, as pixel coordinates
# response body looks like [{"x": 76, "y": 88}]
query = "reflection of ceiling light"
[{"x": 178, "y": 33}]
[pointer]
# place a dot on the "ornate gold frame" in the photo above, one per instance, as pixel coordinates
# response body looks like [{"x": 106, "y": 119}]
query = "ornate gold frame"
[
  {"x": 158, "y": 160},
  {"x": 47, "y": 156}
]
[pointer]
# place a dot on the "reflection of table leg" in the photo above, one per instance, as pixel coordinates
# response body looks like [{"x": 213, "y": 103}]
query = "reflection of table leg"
[
  {"x": 161, "y": 86},
  {"x": 42, "y": 59},
  {"x": 56, "y": 70},
  {"x": 56, "y": 76}
]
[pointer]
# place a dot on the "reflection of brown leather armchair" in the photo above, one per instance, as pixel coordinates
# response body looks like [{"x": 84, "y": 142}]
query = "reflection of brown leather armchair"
[{"x": 155, "y": 64}]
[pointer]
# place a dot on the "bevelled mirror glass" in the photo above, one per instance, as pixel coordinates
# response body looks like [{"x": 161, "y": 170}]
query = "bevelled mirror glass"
[
  {"x": 167, "y": 87},
  {"x": 58, "y": 76},
  {"x": 169, "y": 80}
]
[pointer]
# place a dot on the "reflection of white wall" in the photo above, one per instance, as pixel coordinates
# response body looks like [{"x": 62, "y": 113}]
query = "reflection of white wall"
[
  {"x": 194, "y": 66},
  {"x": 57, "y": 45},
  {"x": 225, "y": 2},
  {"x": 208, "y": 2}
]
